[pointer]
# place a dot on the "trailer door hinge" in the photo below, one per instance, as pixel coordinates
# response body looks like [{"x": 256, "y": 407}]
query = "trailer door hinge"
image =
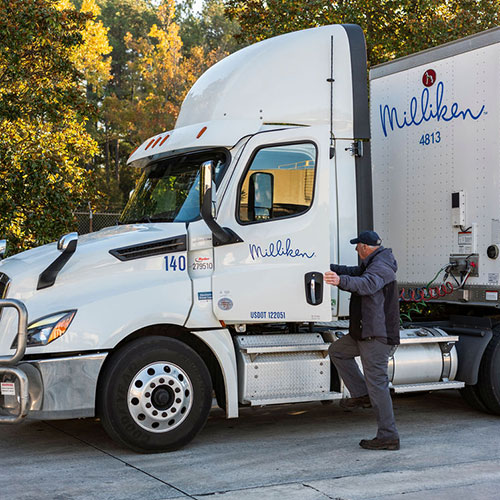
[{"x": 356, "y": 148}]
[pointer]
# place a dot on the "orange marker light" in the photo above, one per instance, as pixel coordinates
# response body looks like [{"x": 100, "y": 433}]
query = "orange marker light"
[
  {"x": 135, "y": 149},
  {"x": 150, "y": 142},
  {"x": 61, "y": 327},
  {"x": 164, "y": 139},
  {"x": 201, "y": 132},
  {"x": 156, "y": 142}
]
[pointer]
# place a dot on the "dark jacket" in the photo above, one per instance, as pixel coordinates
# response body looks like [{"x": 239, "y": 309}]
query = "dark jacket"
[{"x": 374, "y": 307}]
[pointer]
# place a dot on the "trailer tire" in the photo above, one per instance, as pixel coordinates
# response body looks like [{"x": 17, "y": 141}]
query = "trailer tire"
[
  {"x": 489, "y": 374},
  {"x": 155, "y": 395}
]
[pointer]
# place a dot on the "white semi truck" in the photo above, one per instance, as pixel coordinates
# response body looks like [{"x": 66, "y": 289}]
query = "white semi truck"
[{"x": 212, "y": 283}]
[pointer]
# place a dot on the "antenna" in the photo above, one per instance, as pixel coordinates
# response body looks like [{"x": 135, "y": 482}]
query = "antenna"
[{"x": 331, "y": 80}]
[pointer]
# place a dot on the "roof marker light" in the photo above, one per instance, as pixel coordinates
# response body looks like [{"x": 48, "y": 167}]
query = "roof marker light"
[
  {"x": 164, "y": 139},
  {"x": 201, "y": 132},
  {"x": 156, "y": 142},
  {"x": 135, "y": 149},
  {"x": 150, "y": 142}
]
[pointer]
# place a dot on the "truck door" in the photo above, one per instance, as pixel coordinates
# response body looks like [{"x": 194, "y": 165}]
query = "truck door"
[{"x": 278, "y": 203}]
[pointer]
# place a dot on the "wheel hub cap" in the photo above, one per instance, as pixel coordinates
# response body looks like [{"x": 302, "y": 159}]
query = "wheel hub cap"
[{"x": 160, "y": 397}]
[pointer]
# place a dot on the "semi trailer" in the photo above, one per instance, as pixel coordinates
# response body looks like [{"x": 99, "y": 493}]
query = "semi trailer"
[
  {"x": 211, "y": 285},
  {"x": 436, "y": 186}
]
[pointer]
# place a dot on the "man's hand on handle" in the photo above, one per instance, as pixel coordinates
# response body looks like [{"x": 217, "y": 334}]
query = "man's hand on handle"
[{"x": 332, "y": 278}]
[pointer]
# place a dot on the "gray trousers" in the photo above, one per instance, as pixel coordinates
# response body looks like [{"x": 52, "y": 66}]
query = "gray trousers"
[{"x": 374, "y": 358}]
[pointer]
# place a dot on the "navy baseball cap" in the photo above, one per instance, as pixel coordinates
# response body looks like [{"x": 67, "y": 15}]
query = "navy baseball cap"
[{"x": 368, "y": 238}]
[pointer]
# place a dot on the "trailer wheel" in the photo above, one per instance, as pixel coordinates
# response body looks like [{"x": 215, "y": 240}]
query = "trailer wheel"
[
  {"x": 489, "y": 374},
  {"x": 155, "y": 395},
  {"x": 470, "y": 394}
]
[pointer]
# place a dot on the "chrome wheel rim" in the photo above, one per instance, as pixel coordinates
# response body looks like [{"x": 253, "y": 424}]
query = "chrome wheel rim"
[{"x": 160, "y": 397}]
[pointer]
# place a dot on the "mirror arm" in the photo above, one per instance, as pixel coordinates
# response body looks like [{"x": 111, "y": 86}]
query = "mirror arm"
[
  {"x": 48, "y": 277},
  {"x": 221, "y": 235}
]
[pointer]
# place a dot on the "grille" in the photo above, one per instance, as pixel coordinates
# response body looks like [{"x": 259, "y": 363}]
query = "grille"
[
  {"x": 4, "y": 285},
  {"x": 4, "y": 281},
  {"x": 158, "y": 247}
]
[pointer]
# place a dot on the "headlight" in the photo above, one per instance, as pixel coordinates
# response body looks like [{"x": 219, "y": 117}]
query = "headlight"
[{"x": 45, "y": 330}]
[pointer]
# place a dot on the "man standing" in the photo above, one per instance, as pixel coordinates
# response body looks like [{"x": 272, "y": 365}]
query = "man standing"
[{"x": 373, "y": 331}]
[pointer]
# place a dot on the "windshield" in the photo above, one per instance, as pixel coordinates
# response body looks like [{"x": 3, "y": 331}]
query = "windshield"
[{"x": 169, "y": 191}]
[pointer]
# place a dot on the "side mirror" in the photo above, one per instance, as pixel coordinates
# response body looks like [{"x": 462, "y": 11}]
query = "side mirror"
[
  {"x": 260, "y": 196},
  {"x": 207, "y": 185},
  {"x": 3, "y": 248},
  {"x": 66, "y": 241}
]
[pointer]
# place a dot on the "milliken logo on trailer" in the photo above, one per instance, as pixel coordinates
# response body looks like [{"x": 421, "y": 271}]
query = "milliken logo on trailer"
[{"x": 426, "y": 107}]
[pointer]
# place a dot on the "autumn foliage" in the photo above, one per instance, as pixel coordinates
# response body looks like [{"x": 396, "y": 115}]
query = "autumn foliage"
[
  {"x": 43, "y": 140},
  {"x": 393, "y": 28},
  {"x": 83, "y": 82},
  {"x": 69, "y": 117}
]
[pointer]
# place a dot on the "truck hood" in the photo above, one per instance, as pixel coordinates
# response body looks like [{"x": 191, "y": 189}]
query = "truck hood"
[{"x": 92, "y": 256}]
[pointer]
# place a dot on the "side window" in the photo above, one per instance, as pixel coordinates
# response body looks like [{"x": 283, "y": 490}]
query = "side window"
[{"x": 279, "y": 183}]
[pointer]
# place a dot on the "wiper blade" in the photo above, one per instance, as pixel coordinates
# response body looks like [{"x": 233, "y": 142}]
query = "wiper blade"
[
  {"x": 161, "y": 219},
  {"x": 147, "y": 218}
]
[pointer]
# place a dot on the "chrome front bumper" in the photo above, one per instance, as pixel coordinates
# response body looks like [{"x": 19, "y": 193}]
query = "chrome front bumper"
[
  {"x": 13, "y": 381},
  {"x": 55, "y": 388}
]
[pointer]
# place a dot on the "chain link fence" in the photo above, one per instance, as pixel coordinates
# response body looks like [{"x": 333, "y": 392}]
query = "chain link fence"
[{"x": 89, "y": 221}]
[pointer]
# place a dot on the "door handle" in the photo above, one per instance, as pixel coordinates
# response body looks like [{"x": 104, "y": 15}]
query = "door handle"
[
  {"x": 314, "y": 288},
  {"x": 313, "y": 291}
]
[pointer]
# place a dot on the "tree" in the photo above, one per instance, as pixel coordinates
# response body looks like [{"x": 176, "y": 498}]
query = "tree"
[
  {"x": 43, "y": 113},
  {"x": 159, "y": 49},
  {"x": 122, "y": 17},
  {"x": 160, "y": 73},
  {"x": 89, "y": 57},
  {"x": 111, "y": 129},
  {"x": 210, "y": 29},
  {"x": 392, "y": 28}
]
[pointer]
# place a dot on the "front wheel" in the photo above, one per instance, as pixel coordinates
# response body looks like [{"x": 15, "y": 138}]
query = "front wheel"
[{"x": 155, "y": 395}]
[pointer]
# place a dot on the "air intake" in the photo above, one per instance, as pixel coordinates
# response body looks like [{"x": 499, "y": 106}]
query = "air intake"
[{"x": 158, "y": 247}]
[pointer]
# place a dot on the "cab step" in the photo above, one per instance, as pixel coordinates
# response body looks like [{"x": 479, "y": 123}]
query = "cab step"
[
  {"x": 276, "y": 369},
  {"x": 431, "y": 386},
  {"x": 324, "y": 396}
]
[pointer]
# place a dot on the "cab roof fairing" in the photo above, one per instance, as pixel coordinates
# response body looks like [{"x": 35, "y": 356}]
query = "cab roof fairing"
[{"x": 281, "y": 80}]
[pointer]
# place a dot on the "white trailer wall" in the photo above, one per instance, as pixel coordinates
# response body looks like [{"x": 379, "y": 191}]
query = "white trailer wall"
[{"x": 428, "y": 142}]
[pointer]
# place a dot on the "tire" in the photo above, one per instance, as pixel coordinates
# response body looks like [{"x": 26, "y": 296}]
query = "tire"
[
  {"x": 220, "y": 391},
  {"x": 326, "y": 402},
  {"x": 155, "y": 395},
  {"x": 470, "y": 394},
  {"x": 489, "y": 374}
]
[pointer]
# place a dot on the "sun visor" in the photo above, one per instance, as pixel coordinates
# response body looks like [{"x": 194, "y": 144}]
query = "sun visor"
[{"x": 216, "y": 133}]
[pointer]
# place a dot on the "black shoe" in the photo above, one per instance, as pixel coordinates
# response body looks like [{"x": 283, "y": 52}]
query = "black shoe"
[
  {"x": 361, "y": 402},
  {"x": 379, "y": 444}
]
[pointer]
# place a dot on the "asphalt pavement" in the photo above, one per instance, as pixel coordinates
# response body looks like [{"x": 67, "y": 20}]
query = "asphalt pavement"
[{"x": 289, "y": 452}]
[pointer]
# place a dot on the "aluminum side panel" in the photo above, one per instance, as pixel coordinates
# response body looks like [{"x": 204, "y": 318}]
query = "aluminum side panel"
[{"x": 446, "y": 141}]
